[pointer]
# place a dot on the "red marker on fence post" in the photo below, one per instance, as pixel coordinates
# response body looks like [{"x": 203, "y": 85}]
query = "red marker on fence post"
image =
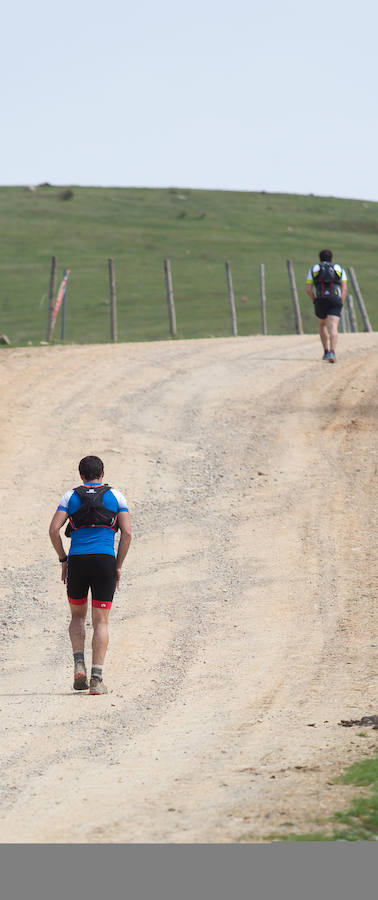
[
  {"x": 64, "y": 309},
  {"x": 58, "y": 301}
]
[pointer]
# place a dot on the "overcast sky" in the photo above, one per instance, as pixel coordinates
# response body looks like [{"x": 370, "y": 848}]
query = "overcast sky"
[{"x": 222, "y": 94}]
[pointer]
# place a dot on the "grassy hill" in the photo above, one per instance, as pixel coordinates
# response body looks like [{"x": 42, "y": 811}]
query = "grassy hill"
[{"x": 197, "y": 230}]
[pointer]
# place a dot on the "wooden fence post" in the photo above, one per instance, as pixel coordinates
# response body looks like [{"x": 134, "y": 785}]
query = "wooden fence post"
[
  {"x": 51, "y": 297},
  {"x": 170, "y": 297},
  {"x": 359, "y": 298},
  {"x": 113, "y": 301},
  {"x": 231, "y": 299},
  {"x": 297, "y": 312},
  {"x": 352, "y": 314},
  {"x": 347, "y": 320},
  {"x": 342, "y": 328},
  {"x": 263, "y": 299}
]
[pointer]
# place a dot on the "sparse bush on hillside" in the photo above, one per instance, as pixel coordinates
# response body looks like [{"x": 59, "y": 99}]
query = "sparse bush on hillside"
[{"x": 66, "y": 195}]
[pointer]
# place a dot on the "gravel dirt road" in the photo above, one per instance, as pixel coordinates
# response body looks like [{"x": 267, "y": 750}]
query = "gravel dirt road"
[{"x": 246, "y": 625}]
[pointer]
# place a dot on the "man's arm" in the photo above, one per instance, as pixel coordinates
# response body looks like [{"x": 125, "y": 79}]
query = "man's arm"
[
  {"x": 124, "y": 522},
  {"x": 344, "y": 291},
  {"x": 309, "y": 291},
  {"x": 58, "y": 519}
]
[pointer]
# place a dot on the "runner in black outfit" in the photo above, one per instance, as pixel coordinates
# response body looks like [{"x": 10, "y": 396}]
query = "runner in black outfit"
[{"x": 327, "y": 288}]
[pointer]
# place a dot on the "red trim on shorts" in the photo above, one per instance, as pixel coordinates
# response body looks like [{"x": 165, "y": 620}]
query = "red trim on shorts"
[
  {"x": 102, "y": 605},
  {"x": 78, "y": 602}
]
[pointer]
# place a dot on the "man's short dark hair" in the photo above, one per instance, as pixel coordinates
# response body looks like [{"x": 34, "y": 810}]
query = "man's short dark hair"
[
  {"x": 325, "y": 256},
  {"x": 91, "y": 467}
]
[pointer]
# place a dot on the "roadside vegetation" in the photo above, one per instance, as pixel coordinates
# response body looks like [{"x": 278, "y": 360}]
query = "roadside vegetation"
[
  {"x": 198, "y": 231},
  {"x": 359, "y": 822}
]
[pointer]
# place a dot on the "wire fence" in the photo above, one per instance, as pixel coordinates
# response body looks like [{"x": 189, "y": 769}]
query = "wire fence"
[{"x": 58, "y": 307}]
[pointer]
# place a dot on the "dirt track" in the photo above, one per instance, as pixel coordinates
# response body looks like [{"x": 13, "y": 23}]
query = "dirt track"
[{"x": 246, "y": 624}]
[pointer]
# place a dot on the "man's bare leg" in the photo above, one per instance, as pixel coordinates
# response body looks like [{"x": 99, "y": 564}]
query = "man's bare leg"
[
  {"x": 100, "y": 642},
  {"x": 100, "y": 638},
  {"x": 77, "y": 637},
  {"x": 77, "y": 627},
  {"x": 333, "y": 324},
  {"x": 323, "y": 331}
]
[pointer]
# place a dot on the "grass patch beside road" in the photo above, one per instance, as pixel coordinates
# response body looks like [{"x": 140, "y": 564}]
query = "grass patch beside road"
[{"x": 357, "y": 823}]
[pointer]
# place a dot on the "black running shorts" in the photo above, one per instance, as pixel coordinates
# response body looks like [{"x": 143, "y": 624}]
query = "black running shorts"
[
  {"x": 324, "y": 308},
  {"x": 96, "y": 571}
]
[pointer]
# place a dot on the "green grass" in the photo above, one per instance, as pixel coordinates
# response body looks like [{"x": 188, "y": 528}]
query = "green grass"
[
  {"x": 198, "y": 231},
  {"x": 359, "y": 822}
]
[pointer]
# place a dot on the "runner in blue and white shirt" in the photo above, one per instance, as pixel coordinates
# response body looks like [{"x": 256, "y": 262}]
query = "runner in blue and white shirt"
[
  {"x": 93, "y": 540},
  {"x": 91, "y": 563}
]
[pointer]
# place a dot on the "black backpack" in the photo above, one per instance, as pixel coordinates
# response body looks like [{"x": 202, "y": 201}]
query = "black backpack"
[
  {"x": 326, "y": 280},
  {"x": 92, "y": 513}
]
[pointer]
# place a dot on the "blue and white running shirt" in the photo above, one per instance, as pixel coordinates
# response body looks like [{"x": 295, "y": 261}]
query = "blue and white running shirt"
[{"x": 93, "y": 540}]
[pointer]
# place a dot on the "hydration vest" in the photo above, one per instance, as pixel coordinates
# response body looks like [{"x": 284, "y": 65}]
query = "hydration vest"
[
  {"x": 92, "y": 513},
  {"x": 326, "y": 277}
]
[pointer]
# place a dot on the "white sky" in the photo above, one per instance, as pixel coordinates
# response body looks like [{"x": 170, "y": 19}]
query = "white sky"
[{"x": 221, "y": 94}]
